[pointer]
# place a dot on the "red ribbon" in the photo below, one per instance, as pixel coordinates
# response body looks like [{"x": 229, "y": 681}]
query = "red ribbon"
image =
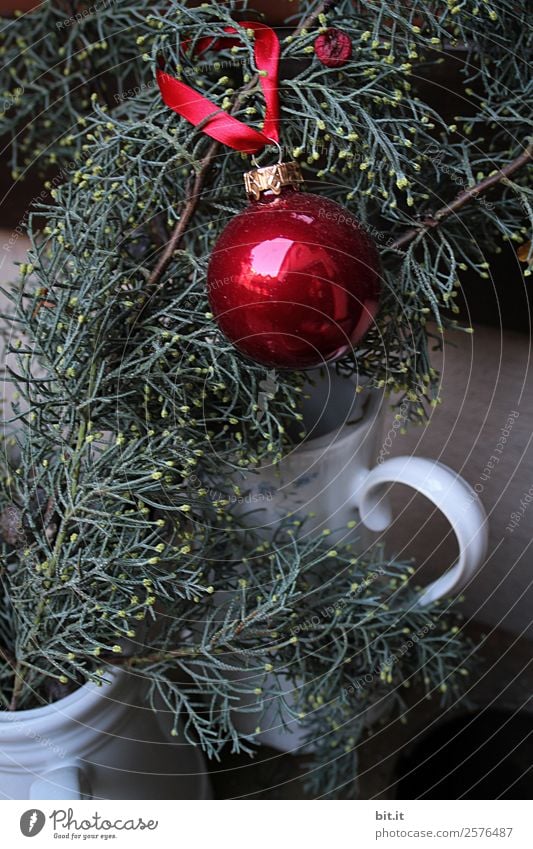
[{"x": 196, "y": 108}]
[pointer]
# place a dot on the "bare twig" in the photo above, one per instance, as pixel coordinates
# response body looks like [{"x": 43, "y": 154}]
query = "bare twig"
[
  {"x": 194, "y": 194},
  {"x": 463, "y": 198},
  {"x": 17, "y": 677},
  {"x": 18, "y": 683},
  {"x": 9, "y": 658},
  {"x": 195, "y": 191},
  {"x": 312, "y": 18}
]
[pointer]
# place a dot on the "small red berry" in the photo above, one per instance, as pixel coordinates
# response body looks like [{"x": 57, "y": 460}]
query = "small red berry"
[{"x": 333, "y": 48}]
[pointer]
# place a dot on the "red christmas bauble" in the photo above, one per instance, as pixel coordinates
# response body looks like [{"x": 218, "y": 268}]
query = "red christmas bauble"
[{"x": 294, "y": 281}]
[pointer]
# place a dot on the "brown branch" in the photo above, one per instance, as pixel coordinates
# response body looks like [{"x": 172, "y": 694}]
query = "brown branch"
[
  {"x": 433, "y": 221},
  {"x": 17, "y": 677},
  {"x": 9, "y": 658},
  {"x": 155, "y": 657},
  {"x": 193, "y": 195},
  {"x": 18, "y": 683},
  {"x": 312, "y": 18}
]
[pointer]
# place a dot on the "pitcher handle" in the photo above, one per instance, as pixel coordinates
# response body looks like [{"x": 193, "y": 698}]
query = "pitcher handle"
[
  {"x": 64, "y": 782},
  {"x": 450, "y": 493}
]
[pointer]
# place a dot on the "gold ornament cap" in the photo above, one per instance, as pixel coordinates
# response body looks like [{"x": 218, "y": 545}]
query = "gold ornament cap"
[{"x": 272, "y": 179}]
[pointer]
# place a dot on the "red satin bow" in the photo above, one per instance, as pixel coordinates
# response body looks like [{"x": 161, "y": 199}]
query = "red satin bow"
[{"x": 196, "y": 108}]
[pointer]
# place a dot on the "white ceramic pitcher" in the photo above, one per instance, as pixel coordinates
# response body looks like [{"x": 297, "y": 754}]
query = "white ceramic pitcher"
[
  {"x": 332, "y": 476},
  {"x": 331, "y": 479},
  {"x": 98, "y": 743}
]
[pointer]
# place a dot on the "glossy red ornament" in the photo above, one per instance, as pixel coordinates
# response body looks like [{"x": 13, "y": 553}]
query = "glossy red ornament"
[{"x": 293, "y": 280}]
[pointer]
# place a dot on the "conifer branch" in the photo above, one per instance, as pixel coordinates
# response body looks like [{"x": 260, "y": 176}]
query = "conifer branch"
[
  {"x": 463, "y": 198},
  {"x": 170, "y": 407}
]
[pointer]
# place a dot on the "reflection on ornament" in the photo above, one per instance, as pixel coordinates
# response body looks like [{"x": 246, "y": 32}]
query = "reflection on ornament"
[{"x": 293, "y": 280}]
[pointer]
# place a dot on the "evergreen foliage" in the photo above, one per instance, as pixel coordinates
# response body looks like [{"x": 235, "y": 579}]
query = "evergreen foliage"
[{"x": 136, "y": 419}]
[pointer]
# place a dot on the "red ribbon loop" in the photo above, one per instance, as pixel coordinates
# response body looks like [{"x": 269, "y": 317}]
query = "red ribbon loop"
[{"x": 196, "y": 108}]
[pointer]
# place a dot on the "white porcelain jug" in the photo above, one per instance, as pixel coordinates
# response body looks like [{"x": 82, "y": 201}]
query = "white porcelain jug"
[
  {"x": 332, "y": 481},
  {"x": 100, "y": 742}
]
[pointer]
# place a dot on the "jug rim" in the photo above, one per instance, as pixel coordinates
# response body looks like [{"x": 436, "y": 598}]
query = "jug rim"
[
  {"x": 85, "y": 697},
  {"x": 372, "y": 401}
]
